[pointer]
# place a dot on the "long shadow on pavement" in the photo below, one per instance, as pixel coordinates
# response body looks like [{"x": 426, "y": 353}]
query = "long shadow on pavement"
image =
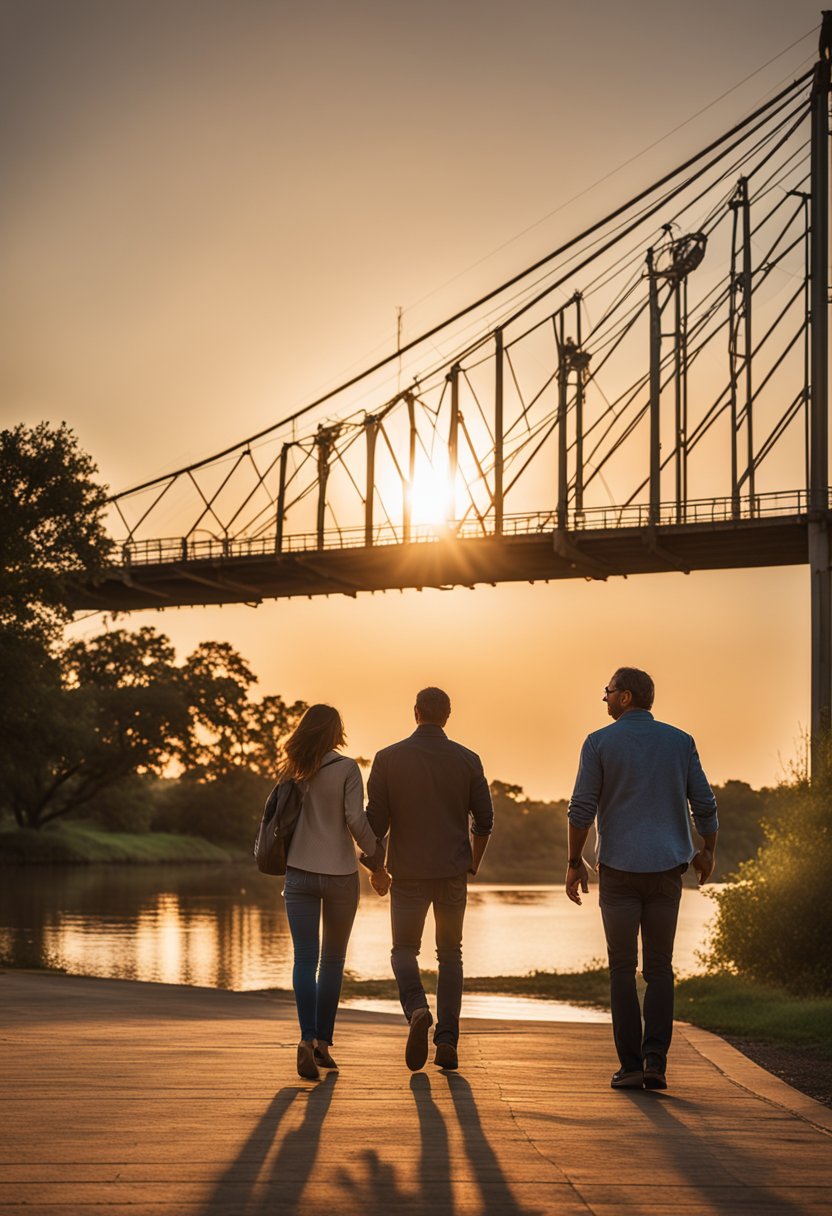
[
  {"x": 280, "y": 1189},
  {"x": 375, "y": 1188},
  {"x": 497, "y": 1197},
  {"x": 704, "y": 1174}
]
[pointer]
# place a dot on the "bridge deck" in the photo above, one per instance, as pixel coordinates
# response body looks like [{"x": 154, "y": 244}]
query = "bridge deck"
[
  {"x": 242, "y": 576},
  {"x": 146, "y": 1098}
]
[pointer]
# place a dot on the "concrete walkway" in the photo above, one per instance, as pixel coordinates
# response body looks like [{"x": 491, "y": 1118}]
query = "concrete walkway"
[{"x": 144, "y": 1098}]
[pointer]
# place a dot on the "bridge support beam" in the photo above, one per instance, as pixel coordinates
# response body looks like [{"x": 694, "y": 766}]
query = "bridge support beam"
[
  {"x": 498, "y": 433},
  {"x": 323, "y": 442},
  {"x": 819, "y": 556},
  {"x": 819, "y": 544},
  {"x": 407, "y": 511},
  {"x": 563, "y": 446},
  {"x": 453, "y": 443},
  {"x": 371, "y": 431},
  {"x": 281, "y": 499},
  {"x": 655, "y": 392}
]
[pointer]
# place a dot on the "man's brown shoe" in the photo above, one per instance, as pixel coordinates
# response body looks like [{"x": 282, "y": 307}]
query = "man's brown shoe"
[
  {"x": 446, "y": 1056},
  {"x": 416, "y": 1052}
]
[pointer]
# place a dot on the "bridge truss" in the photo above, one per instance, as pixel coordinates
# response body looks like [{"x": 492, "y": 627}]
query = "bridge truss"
[{"x": 652, "y": 395}]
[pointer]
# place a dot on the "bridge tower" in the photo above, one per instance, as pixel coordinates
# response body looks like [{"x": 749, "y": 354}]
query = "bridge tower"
[{"x": 820, "y": 551}]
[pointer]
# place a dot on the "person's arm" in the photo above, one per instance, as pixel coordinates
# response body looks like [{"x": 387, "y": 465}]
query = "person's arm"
[
  {"x": 703, "y": 808},
  {"x": 705, "y": 860},
  {"x": 583, "y": 807},
  {"x": 378, "y": 805},
  {"x": 354, "y": 812},
  {"x": 478, "y": 846},
  {"x": 378, "y": 817},
  {"x": 577, "y": 875},
  {"x": 482, "y": 817}
]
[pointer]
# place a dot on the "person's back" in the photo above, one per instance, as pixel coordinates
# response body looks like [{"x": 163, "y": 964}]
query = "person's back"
[
  {"x": 641, "y": 775},
  {"x": 333, "y": 815},
  {"x": 422, "y": 790},
  {"x": 432, "y": 797}
]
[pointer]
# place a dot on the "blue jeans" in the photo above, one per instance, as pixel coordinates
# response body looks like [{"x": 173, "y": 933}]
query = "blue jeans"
[
  {"x": 409, "y": 903},
  {"x": 318, "y": 988}
]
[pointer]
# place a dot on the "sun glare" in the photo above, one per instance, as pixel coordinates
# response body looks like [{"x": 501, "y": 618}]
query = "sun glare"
[{"x": 431, "y": 496}]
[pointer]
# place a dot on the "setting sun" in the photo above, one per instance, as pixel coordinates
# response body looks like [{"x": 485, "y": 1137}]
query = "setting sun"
[{"x": 432, "y": 495}]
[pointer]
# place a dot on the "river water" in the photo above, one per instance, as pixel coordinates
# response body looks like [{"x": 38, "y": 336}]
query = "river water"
[{"x": 225, "y": 926}]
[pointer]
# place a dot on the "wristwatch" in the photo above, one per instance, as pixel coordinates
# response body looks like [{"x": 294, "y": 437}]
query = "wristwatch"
[{"x": 575, "y": 863}]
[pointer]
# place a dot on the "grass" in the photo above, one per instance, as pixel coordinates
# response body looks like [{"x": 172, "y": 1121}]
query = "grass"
[
  {"x": 729, "y": 1004},
  {"x": 590, "y": 987},
  {"x": 83, "y": 843},
  {"x": 724, "y": 1004}
]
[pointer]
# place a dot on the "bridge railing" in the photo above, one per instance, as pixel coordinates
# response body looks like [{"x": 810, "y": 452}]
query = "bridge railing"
[{"x": 171, "y": 550}]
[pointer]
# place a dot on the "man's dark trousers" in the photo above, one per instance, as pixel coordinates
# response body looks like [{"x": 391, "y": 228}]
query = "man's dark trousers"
[
  {"x": 648, "y": 902},
  {"x": 409, "y": 903}
]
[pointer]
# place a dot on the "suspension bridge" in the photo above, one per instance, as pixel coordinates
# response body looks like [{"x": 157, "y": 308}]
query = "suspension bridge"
[{"x": 650, "y": 396}]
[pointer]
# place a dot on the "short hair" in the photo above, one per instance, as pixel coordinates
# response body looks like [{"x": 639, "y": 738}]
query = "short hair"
[
  {"x": 433, "y": 705},
  {"x": 638, "y": 683}
]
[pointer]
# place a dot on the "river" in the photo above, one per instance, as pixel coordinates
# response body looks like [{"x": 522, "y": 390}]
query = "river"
[{"x": 225, "y": 926}]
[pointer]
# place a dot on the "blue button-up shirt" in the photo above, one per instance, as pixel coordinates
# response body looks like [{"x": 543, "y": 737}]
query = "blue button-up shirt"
[{"x": 638, "y": 776}]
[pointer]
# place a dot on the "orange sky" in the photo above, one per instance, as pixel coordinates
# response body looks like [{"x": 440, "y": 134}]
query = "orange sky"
[{"x": 210, "y": 215}]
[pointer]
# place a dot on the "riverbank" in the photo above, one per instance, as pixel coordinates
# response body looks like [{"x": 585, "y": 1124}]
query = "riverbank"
[{"x": 87, "y": 844}]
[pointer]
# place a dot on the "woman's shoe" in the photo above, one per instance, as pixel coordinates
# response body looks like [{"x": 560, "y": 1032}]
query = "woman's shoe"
[
  {"x": 307, "y": 1068},
  {"x": 323, "y": 1057}
]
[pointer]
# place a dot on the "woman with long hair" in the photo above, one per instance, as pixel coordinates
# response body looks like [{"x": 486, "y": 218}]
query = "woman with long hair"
[{"x": 322, "y": 875}]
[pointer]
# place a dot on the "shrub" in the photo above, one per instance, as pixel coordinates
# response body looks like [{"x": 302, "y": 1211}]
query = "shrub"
[
  {"x": 129, "y": 806},
  {"x": 226, "y": 810},
  {"x": 775, "y": 920}
]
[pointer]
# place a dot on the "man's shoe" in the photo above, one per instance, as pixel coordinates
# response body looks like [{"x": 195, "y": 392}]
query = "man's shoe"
[
  {"x": 416, "y": 1052},
  {"x": 627, "y": 1078},
  {"x": 654, "y": 1074},
  {"x": 323, "y": 1058},
  {"x": 446, "y": 1056},
  {"x": 307, "y": 1068}
]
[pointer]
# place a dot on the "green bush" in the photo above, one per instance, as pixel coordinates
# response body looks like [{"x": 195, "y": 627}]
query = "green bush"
[
  {"x": 775, "y": 919},
  {"x": 129, "y": 806}
]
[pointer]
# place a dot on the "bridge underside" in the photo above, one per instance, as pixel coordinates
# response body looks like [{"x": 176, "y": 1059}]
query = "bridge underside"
[{"x": 596, "y": 554}]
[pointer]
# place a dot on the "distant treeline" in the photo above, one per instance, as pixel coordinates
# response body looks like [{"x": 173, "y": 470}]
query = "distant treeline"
[{"x": 529, "y": 842}]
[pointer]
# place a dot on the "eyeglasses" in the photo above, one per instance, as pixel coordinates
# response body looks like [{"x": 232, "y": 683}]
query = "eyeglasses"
[{"x": 607, "y": 691}]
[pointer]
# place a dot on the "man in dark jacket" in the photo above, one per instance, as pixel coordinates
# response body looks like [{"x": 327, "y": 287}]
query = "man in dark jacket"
[{"x": 431, "y": 795}]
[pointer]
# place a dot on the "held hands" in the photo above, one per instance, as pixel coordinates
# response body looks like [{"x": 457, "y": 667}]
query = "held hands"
[
  {"x": 577, "y": 877},
  {"x": 380, "y": 881},
  {"x": 704, "y": 863}
]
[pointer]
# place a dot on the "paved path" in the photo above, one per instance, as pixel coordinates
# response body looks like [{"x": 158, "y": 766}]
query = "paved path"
[{"x": 143, "y": 1098}]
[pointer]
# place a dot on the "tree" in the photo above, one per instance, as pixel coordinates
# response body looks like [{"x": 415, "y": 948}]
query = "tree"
[
  {"x": 228, "y": 730},
  {"x": 51, "y": 532},
  {"x": 108, "y": 708},
  {"x": 51, "y": 528}
]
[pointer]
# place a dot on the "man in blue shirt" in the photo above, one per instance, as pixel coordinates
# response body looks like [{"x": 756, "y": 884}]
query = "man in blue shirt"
[{"x": 638, "y": 777}]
